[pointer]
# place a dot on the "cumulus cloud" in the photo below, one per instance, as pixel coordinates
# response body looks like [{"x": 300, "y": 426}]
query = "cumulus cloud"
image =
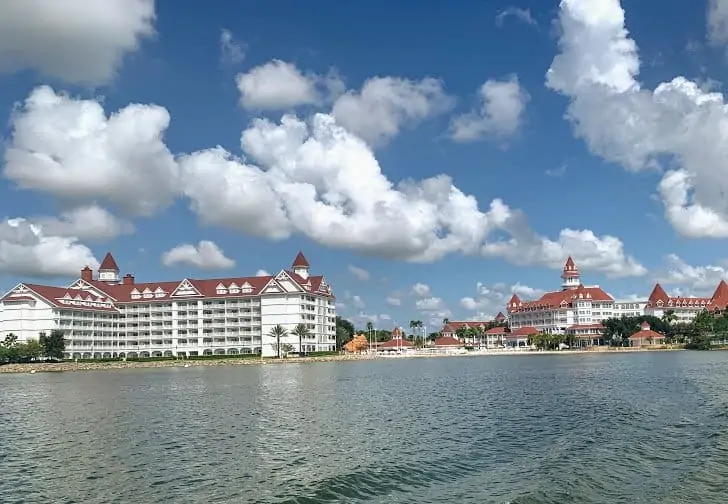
[
  {"x": 88, "y": 223},
  {"x": 71, "y": 149},
  {"x": 500, "y": 114},
  {"x": 700, "y": 280},
  {"x": 393, "y": 301},
  {"x": 421, "y": 290},
  {"x": 25, "y": 250},
  {"x": 206, "y": 255},
  {"x": 385, "y": 105},
  {"x": 360, "y": 273},
  {"x": 718, "y": 22},
  {"x": 278, "y": 85},
  {"x": 294, "y": 177},
  {"x": 604, "y": 254},
  {"x": 78, "y": 41},
  {"x": 491, "y": 299},
  {"x": 262, "y": 272},
  {"x": 624, "y": 122}
]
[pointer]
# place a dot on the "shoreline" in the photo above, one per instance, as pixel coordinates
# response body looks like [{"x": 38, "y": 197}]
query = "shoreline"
[{"x": 59, "y": 367}]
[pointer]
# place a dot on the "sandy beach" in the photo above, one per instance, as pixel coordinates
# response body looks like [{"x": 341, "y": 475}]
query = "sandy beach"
[{"x": 99, "y": 366}]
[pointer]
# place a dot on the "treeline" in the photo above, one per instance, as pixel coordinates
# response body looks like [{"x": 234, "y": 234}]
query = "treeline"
[
  {"x": 51, "y": 346},
  {"x": 699, "y": 334}
]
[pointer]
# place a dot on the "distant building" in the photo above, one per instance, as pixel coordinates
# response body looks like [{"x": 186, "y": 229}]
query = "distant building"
[
  {"x": 646, "y": 336},
  {"x": 684, "y": 309},
  {"x": 107, "y": 316},
  {"x": 451, "y": 327},
  {"x": 575, "y": 309},
  {"x": 397, "y": 343}
]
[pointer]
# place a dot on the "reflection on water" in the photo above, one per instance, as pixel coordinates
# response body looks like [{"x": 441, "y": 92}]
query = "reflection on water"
[{"x": 547, "y": 429}]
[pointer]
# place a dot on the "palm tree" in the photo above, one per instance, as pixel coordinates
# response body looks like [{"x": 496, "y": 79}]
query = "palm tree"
[
  {"x": 302, "y": 332},
  {"x": 445, "y": 321},
  {"x": 278, "y": 332}
]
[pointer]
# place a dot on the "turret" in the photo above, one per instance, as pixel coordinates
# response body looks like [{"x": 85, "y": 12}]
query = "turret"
[
  {"x": 109, "y": 270},
  {"x": 300, "y": 266},
  {"x": 570, "y": 276}
]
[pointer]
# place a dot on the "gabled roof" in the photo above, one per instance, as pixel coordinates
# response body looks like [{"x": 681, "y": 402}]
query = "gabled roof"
[
  {"x": 660, "y": 299},
  {"x": 559, "y": 299},
  {"x": 497, "y": 330},
  {"x": 524, "y": 331},
  {"x": 646, "y": 333},
  {"x": 720, "y": 296},
  {"x": 396, "y": 343},
  {"x": 109, "y": 264},
  {"x": 448, "y": 341},
  {"x": 61, "y": 297},
  {"x": 300, "y": 261}
]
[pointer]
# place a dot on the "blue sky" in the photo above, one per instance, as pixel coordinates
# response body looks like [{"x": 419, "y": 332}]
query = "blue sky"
[{"x": 553, "y": 165}]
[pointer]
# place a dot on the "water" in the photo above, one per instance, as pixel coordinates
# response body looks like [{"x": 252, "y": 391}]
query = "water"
[{"x": 648, "y": 427}]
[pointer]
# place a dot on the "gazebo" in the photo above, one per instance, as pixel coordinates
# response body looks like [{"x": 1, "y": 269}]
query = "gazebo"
[
  {"x": 646, "y": 336},
  {"x": 397, "y": 343}
]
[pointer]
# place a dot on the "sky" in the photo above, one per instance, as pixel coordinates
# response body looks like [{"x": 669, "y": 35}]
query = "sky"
[{"x": 429, "y": 158}]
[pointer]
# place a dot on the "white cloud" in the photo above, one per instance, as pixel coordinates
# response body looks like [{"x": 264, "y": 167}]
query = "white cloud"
[
  {"x": 394, "y": 301},
  {"x": 557, "y": 172},
  {"x": 421, "y": 290},
  {"x": 278, "y": 85},
  {"x": 69, "y": 148},
  {"x": 319, "y": 180},
  {"x": 387, "y": 104},
  {"x": 626, "y": 123},
  {"x": 429, "y": 304},
  {"x": 718, "y": 22},
  {"x": 231, "y": 51},
  {"x": 88, "y": 223},
  {"x": 523, "y": 15},
  {"x": 604, "y": 254},
  {"x": 357, "y": 302},
  {"x": 79, "y": 41},
  {"x": 491, "y": 299},
  {"x": 262, "y": 272},
  {"x": 500, "y": 115},
  {"x": 206, "y": 255},
  {"x": 699, "y": 279},
  {"x": 380, "y": 321},
  {"x": 25, "y": 250},
  {"x": 360, "y": 273}
]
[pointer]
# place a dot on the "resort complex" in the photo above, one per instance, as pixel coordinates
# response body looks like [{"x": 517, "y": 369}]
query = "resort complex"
[{"x": 104, "y": 315}]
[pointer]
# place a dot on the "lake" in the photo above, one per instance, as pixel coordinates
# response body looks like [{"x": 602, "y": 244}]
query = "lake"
[{"x": 641, "y": 427}]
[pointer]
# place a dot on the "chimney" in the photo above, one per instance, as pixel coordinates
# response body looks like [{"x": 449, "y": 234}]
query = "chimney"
[
  {"x": 128, "y": 279},
  {"x": 87, "y": 275}
]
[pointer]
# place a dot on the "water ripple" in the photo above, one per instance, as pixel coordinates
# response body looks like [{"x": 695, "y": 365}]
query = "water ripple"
[{"x": 554, "y": 429}]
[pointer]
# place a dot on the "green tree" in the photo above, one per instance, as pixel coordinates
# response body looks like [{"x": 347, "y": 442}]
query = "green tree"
[
  {"x": 302, "y": 332},
  {"x": 53, "y": 345},
  {"x": 344, "y": 332},
  {"x": 278, "y": 332},
  {"x": 31, "y": 350},
  {"x": 9, "y": 341}
]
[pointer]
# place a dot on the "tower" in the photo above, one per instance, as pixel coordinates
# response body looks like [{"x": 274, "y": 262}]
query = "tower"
[
  {"x": 570, "y": 276},
  {"x": 109, "y": 270},
  {"x": 300, "y": 266}
]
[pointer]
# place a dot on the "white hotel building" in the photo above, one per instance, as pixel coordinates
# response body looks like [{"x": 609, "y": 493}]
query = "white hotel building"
[
  {"x": 575, "y": 309},
  {"x": 106, "y": 316}
]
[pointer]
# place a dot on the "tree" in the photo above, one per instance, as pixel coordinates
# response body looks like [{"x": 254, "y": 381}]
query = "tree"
[
  {"x": 302, "y": 332},
  {"x": 445, "y": 321},
  {"x": 31, "y": 350},
  {"x": 10, "y": 341},
  {"x": 344, "y": 332},
  {"x": 286, "y": 348},
  {"x": 278, "y": 332},
  {"x": 53, "y": 345}
]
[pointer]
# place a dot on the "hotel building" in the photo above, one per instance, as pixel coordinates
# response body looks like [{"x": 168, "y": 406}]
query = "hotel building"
[
  {"x": 107, "y": 316},
  {"x": 575, "y": 309},
  {"x": 684, "y": 309}
]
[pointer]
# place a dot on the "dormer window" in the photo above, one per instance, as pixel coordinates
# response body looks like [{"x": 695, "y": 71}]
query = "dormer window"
[
  {"x": 660, "y": 303},
  {"x": 233, "y": 288},
  {"x": 159, "y": 293},
  {"x": 221, "y": 289},
  {"x": 135, "y": 294}
]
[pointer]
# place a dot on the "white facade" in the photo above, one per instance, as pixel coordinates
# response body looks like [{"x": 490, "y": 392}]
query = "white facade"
[
  {"x": 110, "y": 319},
  {"x": 630, "y": 308}
]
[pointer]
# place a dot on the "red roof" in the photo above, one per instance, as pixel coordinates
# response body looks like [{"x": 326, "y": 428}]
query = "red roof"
[
  {"x": 448, "y": 341},
  {"x": 720, "y": 296},
  {"x": 396, "y": 343},
  {"x": 300, "y": 261},
  {"x": 524, "y": 331},
  {"x": 497, "y": 330},
  {"x": 646, "y": 333},
  {"x": 453, "y": 326},
  {"x": 552, "y": 300},
  {"x": 500, "y": 317},
  {"x": 109, "y": 263},
  {"x": 660, "y": 298},
  {"x": 586, "y": 326},
  {"x": 60, "y": 297}
]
